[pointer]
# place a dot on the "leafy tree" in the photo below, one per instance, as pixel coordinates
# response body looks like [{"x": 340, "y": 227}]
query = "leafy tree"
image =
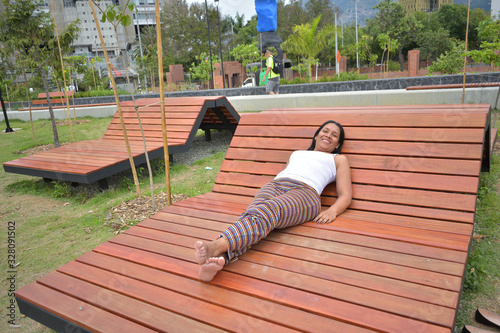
[
  {"x": 451, "y": 62},
  {"x": 91, "y": 78},
  {"x": 247, "y": 53},
  {"x": 184, "y": 31},
  {"x": 393, "y": 20},
  {"x": 248, "y": 33},
  {"x": 489, "y": 32},
  {"x": 454, "y": 19},
  {"x": 147, "y": 64},
  {"x": 202, "y": 69},
  {"x": 434, "y": 43},
  {"x": 29, "y": 34},
  {"x": 307, "y": 41}
]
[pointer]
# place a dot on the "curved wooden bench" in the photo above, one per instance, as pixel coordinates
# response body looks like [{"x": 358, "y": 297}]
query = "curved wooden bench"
[
  {"x": 393, "y": 262},
  {"x": 56, "y": 97},
  {"x": 95, "y": 160}
]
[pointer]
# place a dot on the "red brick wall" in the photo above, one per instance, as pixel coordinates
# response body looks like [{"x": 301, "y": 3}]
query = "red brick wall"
[{"x": 175, "y": 74}]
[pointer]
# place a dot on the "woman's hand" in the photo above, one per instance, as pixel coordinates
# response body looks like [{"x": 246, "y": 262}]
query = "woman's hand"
[{"x": 326, "y": 216}]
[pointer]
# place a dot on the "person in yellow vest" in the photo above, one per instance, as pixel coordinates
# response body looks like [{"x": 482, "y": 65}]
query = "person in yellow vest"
[{"x": 273, "y": 81}]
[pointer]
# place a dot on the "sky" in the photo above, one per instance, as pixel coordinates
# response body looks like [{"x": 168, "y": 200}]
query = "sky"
[{"x": 231, "y": 7}]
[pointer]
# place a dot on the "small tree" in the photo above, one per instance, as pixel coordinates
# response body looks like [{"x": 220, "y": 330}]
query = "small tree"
[
  {"x": 388, "y": 45},
  {"x": 451, "y": 62},
  {"x": 489, "y": 33},
  {"x": 307, "y": 41},
  {"x": 202, "y": 69},
  {"x": 246, "y": 53}
]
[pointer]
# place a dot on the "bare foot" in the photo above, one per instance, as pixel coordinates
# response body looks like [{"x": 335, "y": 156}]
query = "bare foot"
[
  {"x": 205, "y": 250},
  {"x": 210, "y": 268},
  {"x": 200, "y": 252}
]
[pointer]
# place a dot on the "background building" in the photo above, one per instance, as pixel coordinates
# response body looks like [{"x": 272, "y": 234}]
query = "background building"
[
  {"x": 88, "y": 42},
  {"x": 424, "y": 5},
  {"x": 495, "y": 8}
]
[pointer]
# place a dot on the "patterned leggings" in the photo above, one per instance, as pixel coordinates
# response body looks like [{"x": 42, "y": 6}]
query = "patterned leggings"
[{"x": 278, "y": 204}]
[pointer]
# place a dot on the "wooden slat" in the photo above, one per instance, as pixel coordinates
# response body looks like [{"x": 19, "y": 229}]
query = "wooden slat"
[
  {"x": 134, "y": 309},
  {"x": 461, "y": 135},
  {"x": 322, "y": 305},
  {"x": 57, "y": 94},
  {"x": 222, "y": 296},
  {"x": 351, "y": 118},
  {"x": 80, "y": 313}
]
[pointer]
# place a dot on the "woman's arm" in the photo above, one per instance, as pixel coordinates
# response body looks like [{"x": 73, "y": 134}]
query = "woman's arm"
[
  {"x": 344, "y": 191},
  {"x": 267, "y": 72}
]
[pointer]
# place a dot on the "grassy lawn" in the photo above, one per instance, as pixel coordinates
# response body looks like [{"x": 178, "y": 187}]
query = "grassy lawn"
[{"x": 56, "y": 222}]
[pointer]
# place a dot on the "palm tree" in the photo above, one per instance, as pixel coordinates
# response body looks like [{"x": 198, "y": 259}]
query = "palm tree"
[{"x": 307, "y": 41}]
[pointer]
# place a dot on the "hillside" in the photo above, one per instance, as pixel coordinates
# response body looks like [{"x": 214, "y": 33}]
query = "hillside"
[{"x": 366, "y": 11}]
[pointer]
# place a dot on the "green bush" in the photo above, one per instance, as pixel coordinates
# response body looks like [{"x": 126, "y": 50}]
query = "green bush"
[
  {"x": 344, "y": 76},
  {"x": 97, "y": 93}
]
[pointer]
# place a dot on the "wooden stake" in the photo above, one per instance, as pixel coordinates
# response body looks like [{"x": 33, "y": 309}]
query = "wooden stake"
[
  {"x": 162, "y": 102},
  {"x": 465, "y": 57},
  {"x": 62, "y": 69}
]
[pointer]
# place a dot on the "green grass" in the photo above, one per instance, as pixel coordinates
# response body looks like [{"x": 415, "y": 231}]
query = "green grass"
[
  {"x": 57, "y": 222},
  {"x": 482, "y": 280}
]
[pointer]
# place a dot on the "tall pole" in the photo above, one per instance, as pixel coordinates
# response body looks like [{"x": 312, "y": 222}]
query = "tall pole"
[
  {"x": 357, "y": 53},
  {"x": 465, "y": 57},
  {"x": 140, "y": 45},
  {"x": 220, "y": 47},
  {"x": 8, "y": 129},
  {"x": 166, "y": 156},
  {"x": 336, "y": 47},
  {"x": 209, "y": 46},
  {"x": 342, "y": 28}
]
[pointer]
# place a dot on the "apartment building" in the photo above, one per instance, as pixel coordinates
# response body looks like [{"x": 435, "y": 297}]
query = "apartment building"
[
  {"x": 88, "y": 42},
  {"x": 424, "y": 5}
]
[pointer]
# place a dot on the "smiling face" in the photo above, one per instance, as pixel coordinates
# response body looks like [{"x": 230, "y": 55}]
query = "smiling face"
[{"x": 327, "y": 140}]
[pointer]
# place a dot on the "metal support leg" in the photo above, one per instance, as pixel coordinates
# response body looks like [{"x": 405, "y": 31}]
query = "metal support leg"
[
  {"x": 208, "y": 135},
  {"x": 103, "y": 184}
]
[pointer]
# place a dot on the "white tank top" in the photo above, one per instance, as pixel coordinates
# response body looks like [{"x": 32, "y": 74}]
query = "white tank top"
[{"x": 314, "y": 168}]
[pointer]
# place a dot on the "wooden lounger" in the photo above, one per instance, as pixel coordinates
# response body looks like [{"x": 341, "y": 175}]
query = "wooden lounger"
[
  {"x": 95, "y": 160},
  {"x": 393, "y": 262}
]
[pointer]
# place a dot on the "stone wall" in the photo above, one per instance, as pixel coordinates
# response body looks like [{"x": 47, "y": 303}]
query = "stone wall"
[{"x": 361, "y": 85}]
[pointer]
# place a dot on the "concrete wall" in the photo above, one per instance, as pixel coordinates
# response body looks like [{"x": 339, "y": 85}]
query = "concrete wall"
[
  {"x": 361, "y": 85},
  {"x": 60, "y": 114},
  {"x": 263, "y": 102},
  {"x": 384, "y": 97}
]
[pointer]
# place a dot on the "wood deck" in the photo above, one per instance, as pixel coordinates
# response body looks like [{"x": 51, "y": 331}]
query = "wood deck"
[
  {"x": 94, "y": 160},
  {"x": 393, "y": 262}
]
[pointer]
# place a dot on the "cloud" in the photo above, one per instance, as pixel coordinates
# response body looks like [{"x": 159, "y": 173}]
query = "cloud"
[{"x": 231, "y": 7}]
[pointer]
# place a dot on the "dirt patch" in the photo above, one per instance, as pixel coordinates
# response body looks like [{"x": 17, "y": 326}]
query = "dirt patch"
[
  {"x": 39, "y": 149},
  {"x": 73, "y": 122},
  {"x": 130, "y": 212}
]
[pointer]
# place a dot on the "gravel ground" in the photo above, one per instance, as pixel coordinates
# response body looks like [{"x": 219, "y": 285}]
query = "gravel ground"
[{"x": 201, "y": 149}]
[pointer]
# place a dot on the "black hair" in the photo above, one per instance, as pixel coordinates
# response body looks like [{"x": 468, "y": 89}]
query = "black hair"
[{"x": 341, "y": 136}]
